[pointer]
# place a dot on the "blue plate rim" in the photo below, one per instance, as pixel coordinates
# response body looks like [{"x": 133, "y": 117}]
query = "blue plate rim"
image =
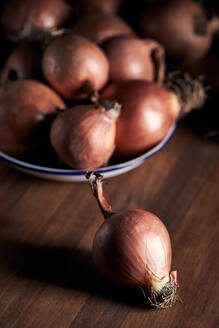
[{"x": 48, "y": 170}]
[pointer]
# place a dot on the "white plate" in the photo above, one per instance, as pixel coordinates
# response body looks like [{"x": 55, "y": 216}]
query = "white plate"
[{"x": 68, "y": 175}]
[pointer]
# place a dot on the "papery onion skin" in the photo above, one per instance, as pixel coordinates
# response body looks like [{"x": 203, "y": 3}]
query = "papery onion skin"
[
  {"x": 132, "y": 58},
  {"x": 70, "y": 62},
  {"x": 26, "y": 108},
  {"x": 22, "y": 19},
  {"x": 84, "y": 136},
  {"x": 23, "y": 63},
  {"x": 133, "y": 248},
  {"x": 148, "y": 111},
  {"x": 181, "y": 27},
  {"x": 99, "y": 27}
]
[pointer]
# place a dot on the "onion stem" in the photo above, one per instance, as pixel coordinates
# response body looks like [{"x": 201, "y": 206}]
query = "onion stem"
[
  {"x": 112, "y": 107},
  {"x": 92, "y": 94},
  {"x": 96, "y": 183}
]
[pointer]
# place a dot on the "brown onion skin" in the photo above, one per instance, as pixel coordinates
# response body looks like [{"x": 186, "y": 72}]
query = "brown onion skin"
[
  {"x": 133, "y": 248},
  {"x": 23, "y": 18},
  {"x": 128, "y": 241},
  {"x": 23, "y": 63},
  {"x": 148, "y": 112},
  {"x": 71, "y": 61},
  {"x": 25, "y": 108},
  {"x": 131, "y": 58},
  {"x": 84, "y": 136},
  {"x": 99, "y": 27},
  {"x": 181, "y": 27},
  {"x": 99, "y": 6}
]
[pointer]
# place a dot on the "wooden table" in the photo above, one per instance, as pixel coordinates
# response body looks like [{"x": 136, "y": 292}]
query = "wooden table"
[{"x": 47, "y": 278}]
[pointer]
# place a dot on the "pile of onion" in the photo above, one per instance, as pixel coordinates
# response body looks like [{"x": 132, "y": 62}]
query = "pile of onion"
[
  {"x": 133, "y": 248},
  {"x": 119, "y": 103}
]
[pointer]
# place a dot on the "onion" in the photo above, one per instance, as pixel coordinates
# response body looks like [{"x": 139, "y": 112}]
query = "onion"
[
  {"x": 133, "y": 248},
  {"x": 75, "y": 67},
  {"x": 84, "y": 136},
  {"x": 23, "y": 63},
  {"x": 132, "y": 58},
  {"x": 25, "y": 19},
  {"x": 149, "y": 110},
  {"x": 181, "y": 26},
  {"x": 99, "y": 27},
  {"x": 26, "y": 108}
]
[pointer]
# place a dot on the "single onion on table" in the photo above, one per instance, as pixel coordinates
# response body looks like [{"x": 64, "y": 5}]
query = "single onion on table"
[
  {"x": 150, "y": 109},
  {"x": 133, "y": 248}
]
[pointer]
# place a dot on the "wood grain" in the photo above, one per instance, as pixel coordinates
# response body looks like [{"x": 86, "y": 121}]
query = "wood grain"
[{"x": 47, "y": 277}]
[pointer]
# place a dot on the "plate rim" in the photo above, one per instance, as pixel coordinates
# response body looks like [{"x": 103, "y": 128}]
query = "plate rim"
[{"x": 43, "y": 169}]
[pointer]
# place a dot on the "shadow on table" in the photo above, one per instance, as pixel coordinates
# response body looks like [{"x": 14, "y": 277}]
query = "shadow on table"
[{"x": 69, "y": 268}]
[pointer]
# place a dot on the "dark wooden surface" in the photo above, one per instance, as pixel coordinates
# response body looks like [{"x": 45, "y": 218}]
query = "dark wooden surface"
[{"x": 47, "y": 278}]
